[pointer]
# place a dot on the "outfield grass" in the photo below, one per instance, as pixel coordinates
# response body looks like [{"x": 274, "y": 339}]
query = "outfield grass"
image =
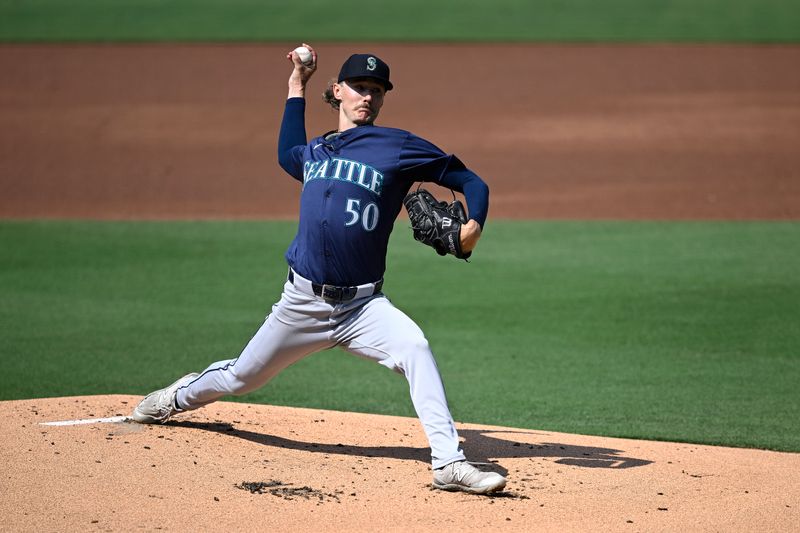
[
  {"x": 409, "y": 20},
  {"x": 674, "y": 331}
]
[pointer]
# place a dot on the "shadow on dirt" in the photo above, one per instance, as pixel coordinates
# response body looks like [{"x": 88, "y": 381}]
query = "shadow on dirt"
[{"x": 479, "y": 445}]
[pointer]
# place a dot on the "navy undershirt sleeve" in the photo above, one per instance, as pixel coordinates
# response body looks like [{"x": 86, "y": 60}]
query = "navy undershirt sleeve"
[
  {"x": 292, "y": 139},
  {"x": 475, "y": 190}
]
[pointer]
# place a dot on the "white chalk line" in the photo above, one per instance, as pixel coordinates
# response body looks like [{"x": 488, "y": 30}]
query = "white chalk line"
[{"x": 109, "y": 420}]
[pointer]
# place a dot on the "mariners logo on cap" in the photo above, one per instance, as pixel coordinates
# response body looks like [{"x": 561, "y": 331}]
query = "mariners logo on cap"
[{"x": 364, "y": 66}]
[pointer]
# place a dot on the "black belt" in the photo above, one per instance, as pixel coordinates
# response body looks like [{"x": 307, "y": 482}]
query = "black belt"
[{"x": 335, "y": 293}]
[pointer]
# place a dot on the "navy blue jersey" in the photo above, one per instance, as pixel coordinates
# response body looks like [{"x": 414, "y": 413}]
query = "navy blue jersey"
[{"x": 354, "y": 183}]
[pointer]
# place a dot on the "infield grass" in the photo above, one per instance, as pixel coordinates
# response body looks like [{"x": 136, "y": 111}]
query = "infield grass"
[
  {"x": 686, "y": 331},
  {"x": 409, "y": 20}
]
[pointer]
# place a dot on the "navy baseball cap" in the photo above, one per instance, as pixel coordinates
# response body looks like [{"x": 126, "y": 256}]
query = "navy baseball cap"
[{"x": 365, "y": 66}]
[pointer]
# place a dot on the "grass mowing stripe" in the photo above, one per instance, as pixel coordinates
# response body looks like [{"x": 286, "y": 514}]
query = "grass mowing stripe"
[
  {"x": 444, "y": 20},
  {"x": 668, "y": 330}
]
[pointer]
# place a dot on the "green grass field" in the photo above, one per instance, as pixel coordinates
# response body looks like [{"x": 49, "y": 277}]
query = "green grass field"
[
  {"x": 664, "y": 330},
  {"x": 410, "y": 20}
]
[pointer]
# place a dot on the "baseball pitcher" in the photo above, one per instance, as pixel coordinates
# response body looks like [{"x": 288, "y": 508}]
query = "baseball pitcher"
[{"x": 355, "y": 180}]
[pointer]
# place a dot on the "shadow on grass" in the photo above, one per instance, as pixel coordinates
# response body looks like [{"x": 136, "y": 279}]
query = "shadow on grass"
[{"x": 479, "y": 445}]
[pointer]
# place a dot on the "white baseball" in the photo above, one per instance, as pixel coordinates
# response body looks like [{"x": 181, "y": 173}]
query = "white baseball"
[{"x": 304, "y": 54}]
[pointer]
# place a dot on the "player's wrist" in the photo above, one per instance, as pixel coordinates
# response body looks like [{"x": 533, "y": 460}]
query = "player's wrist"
[
  {"x": 297, "y": 90},
  {"x": 470, "y": 233}
]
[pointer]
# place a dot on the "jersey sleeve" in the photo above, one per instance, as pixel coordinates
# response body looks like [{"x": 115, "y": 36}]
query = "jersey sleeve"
[
  {"x": 421, "y": 160},
  {"x": 292, "y": 140}
]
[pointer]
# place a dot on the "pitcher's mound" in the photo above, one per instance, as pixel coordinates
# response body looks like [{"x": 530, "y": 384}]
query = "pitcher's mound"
[{"x": 237, "y": 467}]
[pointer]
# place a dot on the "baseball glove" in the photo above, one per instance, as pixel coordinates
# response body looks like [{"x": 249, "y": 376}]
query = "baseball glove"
[{"x": 435, "y": 223}]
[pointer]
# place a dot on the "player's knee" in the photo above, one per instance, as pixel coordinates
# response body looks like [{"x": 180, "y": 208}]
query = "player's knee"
[
  {"x": 414, "y": 347},
  {"x": 239, "y": 386}
]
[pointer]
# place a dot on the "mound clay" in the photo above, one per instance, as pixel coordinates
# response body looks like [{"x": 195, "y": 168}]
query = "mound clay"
[{"x": 240, "y": 467}]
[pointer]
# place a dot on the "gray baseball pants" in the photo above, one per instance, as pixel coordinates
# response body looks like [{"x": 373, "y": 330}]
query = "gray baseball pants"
[{"x": 301, "y": 324}]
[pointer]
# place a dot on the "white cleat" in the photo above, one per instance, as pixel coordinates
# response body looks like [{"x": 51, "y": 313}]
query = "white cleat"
[
  {"x": 158, "y": 406},
  {"x": 461, "y": 475}
]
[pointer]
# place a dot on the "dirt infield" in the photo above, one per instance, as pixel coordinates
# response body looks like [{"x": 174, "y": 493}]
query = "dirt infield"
[
  {"x": 230, "y": 466},
  {"x": 621, "y": 132}
]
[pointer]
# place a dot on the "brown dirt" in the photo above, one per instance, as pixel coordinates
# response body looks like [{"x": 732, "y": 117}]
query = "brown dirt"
[
  {"x": 624, "y": 132},
  {"x": 331, "y": 471}
]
